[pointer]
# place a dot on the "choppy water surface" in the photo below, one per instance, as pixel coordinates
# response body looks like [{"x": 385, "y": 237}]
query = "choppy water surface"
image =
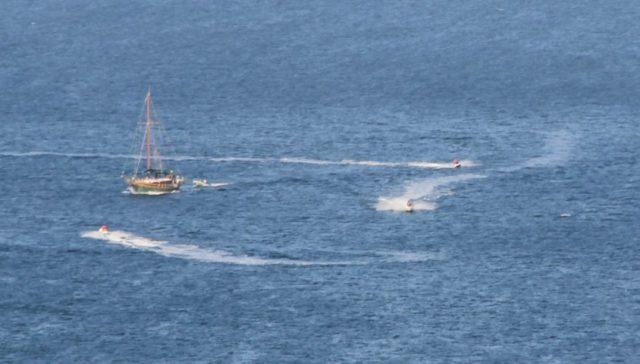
[{"x": 314, "y": 125}]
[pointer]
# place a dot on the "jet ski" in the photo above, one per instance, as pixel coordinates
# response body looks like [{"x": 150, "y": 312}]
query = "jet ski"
[
  {"x": 199, "y": 182},
  {"x": 456, "y": 163},
  {"x": 408, "y": 206}
]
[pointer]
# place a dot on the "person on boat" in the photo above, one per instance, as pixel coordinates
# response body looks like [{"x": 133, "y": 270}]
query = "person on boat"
[
  {"x": 456, "y": 163},
  {"x": 103, "y": 229}
]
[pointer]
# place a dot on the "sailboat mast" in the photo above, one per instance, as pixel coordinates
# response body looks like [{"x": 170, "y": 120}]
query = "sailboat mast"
[{"x": 148, "y": 131}]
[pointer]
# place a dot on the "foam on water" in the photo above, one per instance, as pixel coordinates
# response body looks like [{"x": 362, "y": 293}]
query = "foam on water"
[
  {"x": 290, "y": 160},
  {"x": 187, "y": 251},
  {"x": 217, "y": 184},
  {"x": 556, "y": 152},
  {"x": 370, "y": 163},
  {"x": 423, "y": 193},
  {"x": 194, "y": 252},
  {"x": 399, "y": 203},
  {"x": 206, "y": 185},
  {"x": 131, "y": 191},
  {"x": 409, "y": 257},
  {"x": 557, "y": 147}
]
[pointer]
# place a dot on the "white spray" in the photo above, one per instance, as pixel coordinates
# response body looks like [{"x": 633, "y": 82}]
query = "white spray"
[
  {"x": 194, "y": 252},
  {"x": 423, "y": 193}
]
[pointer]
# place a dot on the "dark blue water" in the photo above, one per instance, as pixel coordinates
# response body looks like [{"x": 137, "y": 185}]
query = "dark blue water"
[{"x": 322, "y": 119}]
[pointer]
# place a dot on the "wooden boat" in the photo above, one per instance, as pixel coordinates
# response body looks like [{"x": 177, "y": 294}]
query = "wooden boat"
[{"x": 156, "y": 179}]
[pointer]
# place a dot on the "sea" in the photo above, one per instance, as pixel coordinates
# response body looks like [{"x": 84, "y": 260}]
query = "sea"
[{"x": 314, "y": 123}]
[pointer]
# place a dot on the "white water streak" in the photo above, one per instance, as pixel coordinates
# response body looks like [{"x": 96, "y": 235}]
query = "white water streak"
[
  {"x": 557, "y": 151},
  {"x": 132, "y": 191},
  {"x": 186, "y": 251},
  {"x": 558, "y": 148},
  {"x": 422, "y": 192},
  {"x": 193, "y": 252},
  {"x": 351, "y": 162},
  {"x": 217, "y": 184},
  {"x": 288, "y": 160}
]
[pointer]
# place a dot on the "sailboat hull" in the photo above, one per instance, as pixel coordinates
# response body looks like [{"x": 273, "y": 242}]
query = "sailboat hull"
[{"x": 154, "y": 185}]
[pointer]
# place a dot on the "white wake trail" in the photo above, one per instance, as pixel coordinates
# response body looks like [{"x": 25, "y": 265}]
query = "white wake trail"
[
  {"x": 423, "y": 193},
  {"x": 186, "y": 251},
  {"x": 558, "y": 146},
  {"x": 194, "y": 252},
  {"x": 369, "y": 163},
  {"x": 231, "y": 159},
  {"x": 557, "y": 151}
]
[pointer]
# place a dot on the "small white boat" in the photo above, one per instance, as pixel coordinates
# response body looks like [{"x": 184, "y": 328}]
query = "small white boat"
[
  {"x": 456, "y": 163},
  {"x": 200, "y": 182},
  {"x": 408, "y": 206}
]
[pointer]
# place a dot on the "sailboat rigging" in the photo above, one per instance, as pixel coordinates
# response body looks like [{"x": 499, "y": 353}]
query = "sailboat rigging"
[{"x": 156, "y": 179}]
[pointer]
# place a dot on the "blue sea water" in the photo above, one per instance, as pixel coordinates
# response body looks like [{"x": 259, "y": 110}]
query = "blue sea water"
[{"x": 322, "y": 118}]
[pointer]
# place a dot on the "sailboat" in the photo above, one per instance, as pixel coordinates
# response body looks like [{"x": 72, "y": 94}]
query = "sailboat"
[{"x": 155, "y": 179}]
